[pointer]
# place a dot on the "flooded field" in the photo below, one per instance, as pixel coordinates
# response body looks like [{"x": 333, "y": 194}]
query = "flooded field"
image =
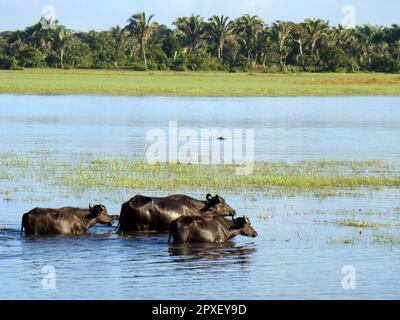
[{"x": 324, "y": 195}]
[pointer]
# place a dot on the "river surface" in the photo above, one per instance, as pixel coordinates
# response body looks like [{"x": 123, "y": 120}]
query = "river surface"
[{"x": 294, "y": 256}]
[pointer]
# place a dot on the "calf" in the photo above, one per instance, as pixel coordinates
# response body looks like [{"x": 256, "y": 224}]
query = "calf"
[{"x": 209, "y": 229}]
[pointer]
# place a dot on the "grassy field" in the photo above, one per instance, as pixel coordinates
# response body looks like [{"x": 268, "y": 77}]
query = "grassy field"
[{"x": 52, "y": 81}]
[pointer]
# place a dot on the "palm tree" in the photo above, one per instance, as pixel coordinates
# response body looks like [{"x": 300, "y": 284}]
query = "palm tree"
[
  {"x": 280, "y": 32},
  {"x": 299, "y": 36},
  {"x": 248, "y": 27},
  {"x": 317, "y": 30},
  {"x": 220, "y": 28},
  {"x": 192, "y": 30},
  {"x": 118, "y": 35},
  {"x": 62, "y": 38},
  {"x": 392, "y": 37},
  {"x": 367, "y": 37},
  {"x": 395, "y": 39},
  {"x": 39, "y": 37},
  {"x": 141, "y": 28}
]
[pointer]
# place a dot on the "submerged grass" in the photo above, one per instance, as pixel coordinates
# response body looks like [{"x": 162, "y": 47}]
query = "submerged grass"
[
  {"x": 386, "y": 238},
  {"x": 353, "y": 240},
  {"x": 360, "y": 223},
  {"x": 349, "y": 212},
  {"x": 89, "y": 173},
  {"x": 7, "y": 196},
  {"x": 167, "y": 83}
]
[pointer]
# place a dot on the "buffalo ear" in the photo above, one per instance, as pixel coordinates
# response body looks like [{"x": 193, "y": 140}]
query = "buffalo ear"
[
  {"x": 208, "y": 197},
  {"x": 90, "y": 207}
]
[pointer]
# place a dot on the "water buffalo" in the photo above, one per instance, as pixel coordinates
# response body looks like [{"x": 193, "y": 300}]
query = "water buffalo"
[
  {"x": 156, "y": 214},
  {"x": 209, "y": 229},
  {"x": 64, "y": 221}
]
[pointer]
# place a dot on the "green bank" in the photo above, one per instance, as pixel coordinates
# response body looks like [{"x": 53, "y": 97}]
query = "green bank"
[{"x": 166, "y": 83}]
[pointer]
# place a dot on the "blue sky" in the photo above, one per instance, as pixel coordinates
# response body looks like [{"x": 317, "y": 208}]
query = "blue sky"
[{"x": 102, "y": 14}]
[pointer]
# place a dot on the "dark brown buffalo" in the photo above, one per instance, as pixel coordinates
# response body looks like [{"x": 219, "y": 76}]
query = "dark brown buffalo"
[
  {"x": 156, "y": 214},
  {"x": 209, "y": 229},
  {"x": 64, "y": 221}
]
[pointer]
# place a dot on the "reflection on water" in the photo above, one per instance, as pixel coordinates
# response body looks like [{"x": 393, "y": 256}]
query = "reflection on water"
[
  {"x": 299, "y": 252},
  {"x": 212, "y": 254}
]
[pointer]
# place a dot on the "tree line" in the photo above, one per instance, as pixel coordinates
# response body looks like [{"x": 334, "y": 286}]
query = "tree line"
[{"x": 194, "y": 43}]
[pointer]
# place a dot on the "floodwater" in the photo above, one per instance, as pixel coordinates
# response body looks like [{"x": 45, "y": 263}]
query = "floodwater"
[{"x": 298, "y": 253}]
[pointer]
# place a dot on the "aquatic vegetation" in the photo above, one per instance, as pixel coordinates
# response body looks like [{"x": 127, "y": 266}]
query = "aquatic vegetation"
[
  {"x": 368, "y": 212},
  {"x": 375, "y": 237},
  {"x": 359, "y": 223},
  {"x": 7, "y": 195},
  {"x": 349, "y": 212},
  {"x": 85, "y": 172},
  {"x": 353, "y": 240},
  {"x": 8, "y": 159},
  {"x": 168, "y": 176},
  {"x": 263, "y": 216},
  {"x": 5, "y": 175},
  {"x": 324, "y": 193},
  {"x": 385, "y": 238}
]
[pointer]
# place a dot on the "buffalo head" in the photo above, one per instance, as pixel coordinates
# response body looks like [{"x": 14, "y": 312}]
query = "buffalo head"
[
  {"x": 100, "y": 212},
  {"x": 217, "y": 205},
  {"x": 244, "y": 225}
]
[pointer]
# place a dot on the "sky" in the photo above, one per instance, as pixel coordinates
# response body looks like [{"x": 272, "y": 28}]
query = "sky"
[{"x": 84, "y": 15}]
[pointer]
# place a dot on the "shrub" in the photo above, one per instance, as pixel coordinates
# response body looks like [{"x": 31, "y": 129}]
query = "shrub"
[
  {"x": 336, "y": 60},
  {"x": 52, "y": 59},
  {"x": 137, "y": 66},
  {"x": 384, "y": 64},
  {"x": 7, "y": 62},
  {"x": 80, "y": 55},
  {"x": 30, "y": 57},
  {"x": 179, "y": 64}
]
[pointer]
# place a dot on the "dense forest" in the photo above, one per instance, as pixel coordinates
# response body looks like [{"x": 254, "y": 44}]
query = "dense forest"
[{"x": 194, "y": 43}]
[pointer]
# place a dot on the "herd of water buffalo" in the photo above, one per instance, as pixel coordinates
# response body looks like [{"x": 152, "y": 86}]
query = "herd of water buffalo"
[{"x": 187, "y": 220}]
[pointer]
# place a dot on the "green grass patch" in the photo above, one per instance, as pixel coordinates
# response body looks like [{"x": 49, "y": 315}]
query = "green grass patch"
[
  {"x": 167, "y": 83},
  {"x": 91, "y": 173}
]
